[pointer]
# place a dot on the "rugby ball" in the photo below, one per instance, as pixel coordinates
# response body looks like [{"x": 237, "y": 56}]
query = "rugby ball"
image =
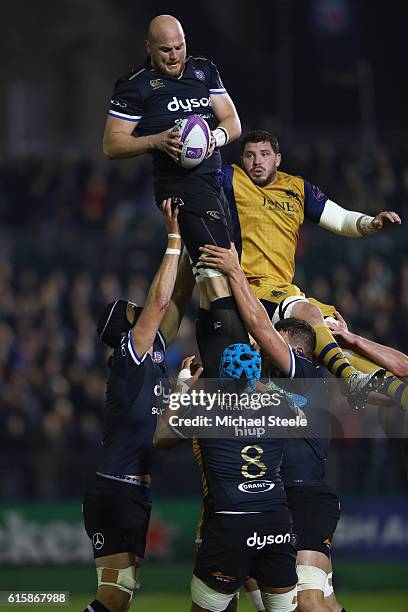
[{"x": 195, "y": 135}]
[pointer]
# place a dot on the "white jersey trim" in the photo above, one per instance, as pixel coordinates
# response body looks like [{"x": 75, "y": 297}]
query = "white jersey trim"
[
  {"x": 124, "y": 116},
  {"x": 162, "y": 340},
  {"x": 138, "y": 360},
  {"x": 292, "y": 367}
]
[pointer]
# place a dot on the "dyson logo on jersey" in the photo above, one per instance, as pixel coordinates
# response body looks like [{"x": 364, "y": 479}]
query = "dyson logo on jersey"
[
  {"x": 187, "y": 104},
  {"x": 261, "y": 486},
  {"x": 261, "y": 541}
]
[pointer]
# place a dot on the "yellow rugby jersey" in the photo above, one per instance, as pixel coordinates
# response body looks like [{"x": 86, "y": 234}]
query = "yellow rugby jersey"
[{"x": 266, "y": 222}]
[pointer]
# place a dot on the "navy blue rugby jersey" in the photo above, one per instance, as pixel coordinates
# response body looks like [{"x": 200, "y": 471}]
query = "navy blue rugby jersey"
[
  {"x": 155, "y": 102},
  {"x": 243, "y": 474},
  {"x": 131, "y": 409},
  {"x": 304, "y": 459}
]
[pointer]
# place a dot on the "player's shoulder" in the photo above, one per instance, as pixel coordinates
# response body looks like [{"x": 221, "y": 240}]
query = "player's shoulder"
[
  {"x": 200, "y": 60},
  {"x": 202, "y": 67},
  {"x": 237, "y": 171},
  {"x": 290, "y": 180},
  {"x": 305, "y": 368},
  {"x": 135, "y": 76}
]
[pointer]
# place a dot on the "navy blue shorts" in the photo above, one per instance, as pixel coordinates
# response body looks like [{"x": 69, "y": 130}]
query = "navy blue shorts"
[
  {"x": 204, "y": 216},
  {"x": 235, "y": 546},
  {"x": 315, "y": 513},
  {"x": 116, "y": 517}
]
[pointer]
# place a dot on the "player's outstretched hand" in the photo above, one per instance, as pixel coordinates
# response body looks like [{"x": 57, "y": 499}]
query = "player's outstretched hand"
[
  {"x": 384, "y": 218},
  {"x": 340, "y": 321},
  {"x": 225, "y": 260},
  {"x": 190, "y": 372},
  {"x": 168, "y": 142},
  {"x": 170, "y": 216},
  {"x": 340, "y": 331}
]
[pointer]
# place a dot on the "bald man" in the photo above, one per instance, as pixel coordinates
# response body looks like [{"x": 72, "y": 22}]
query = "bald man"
[{"x": 147, "y": 104}]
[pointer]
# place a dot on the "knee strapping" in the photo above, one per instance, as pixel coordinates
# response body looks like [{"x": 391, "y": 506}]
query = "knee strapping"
[
  {"x": 207, "y": 598},
  {"x": 311, "y": 577},
  {"x": 280, "y": 602},
  {"x": 328, "y": 587},
  {"x": 123, "y": 579}
]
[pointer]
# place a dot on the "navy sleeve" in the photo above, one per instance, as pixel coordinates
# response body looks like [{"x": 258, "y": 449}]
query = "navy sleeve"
[
  {"x": 126, "y": 102},
  {"x": 228, "y": 173},
  {"x": 215, "y": 86},
  {"x": 315, "y": 201}
]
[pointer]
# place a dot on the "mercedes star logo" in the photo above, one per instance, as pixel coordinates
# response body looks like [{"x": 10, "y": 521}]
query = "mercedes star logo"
[{"x": 98, "y": 541}]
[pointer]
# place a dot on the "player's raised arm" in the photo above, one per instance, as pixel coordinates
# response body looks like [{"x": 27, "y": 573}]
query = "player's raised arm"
[
  {"x": 158, "y": 299},
  {"x": 385, "y": 356},
  {"x": 183, "y": 290},
  {"x": 254, "y": 315},
  {"x": 326, "y": 213}
]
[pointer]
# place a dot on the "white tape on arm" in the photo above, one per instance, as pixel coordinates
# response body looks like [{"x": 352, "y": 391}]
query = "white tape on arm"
[
  {"x": 345, "y": 222},
  {"x": 221, "y": 136}
]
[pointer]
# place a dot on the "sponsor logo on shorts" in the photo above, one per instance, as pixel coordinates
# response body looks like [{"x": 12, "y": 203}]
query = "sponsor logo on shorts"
[
  {"x": 98, "y": 541},
  {"x": 261, "y": 541},
  {"x": 214, "y": 214},
  {"x": 223, "y": 578},
  {"x": 158, "y": 356},
  {"x": 327, "y": 542},
  {"x": 261, "y": 486},
  {"x": 217, "y": 324},
  {"x": 200, "y": 75},
  {"x": 187, "y": 104}
]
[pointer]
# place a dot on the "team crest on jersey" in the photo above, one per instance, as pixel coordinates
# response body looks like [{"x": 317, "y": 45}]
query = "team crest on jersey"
[
  {"x": 158, "y": 356},
  {"x": 293, "y": 194},
  {"x": 200, "y": 75},
  {"x": 156, "y": 83}
]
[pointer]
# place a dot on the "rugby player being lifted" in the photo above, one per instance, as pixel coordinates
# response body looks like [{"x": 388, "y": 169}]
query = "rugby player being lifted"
[
  {"x": 268, "y": 208},
  {"x": 146, "y": 105}
]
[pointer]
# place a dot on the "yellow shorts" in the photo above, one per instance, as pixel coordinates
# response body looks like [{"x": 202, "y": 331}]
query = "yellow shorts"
[{"x": 276, "y": 295}]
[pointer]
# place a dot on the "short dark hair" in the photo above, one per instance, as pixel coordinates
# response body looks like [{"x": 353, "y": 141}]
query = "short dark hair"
[
  {"x": 300, "y": 332},
  {"x": 260, "y": 136}
]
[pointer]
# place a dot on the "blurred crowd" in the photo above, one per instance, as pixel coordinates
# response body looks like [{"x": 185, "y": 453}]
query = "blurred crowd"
[{"x": 76, "y": 233}]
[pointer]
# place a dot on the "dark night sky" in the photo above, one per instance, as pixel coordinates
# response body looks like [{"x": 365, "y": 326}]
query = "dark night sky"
[
  {"x": 281, "y": 68},
  {"x": 324, "y": 83}
]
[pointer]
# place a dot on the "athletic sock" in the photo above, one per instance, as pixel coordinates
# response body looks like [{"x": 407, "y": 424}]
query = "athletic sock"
[
  {"x": 392, "y": 386},
  {"x": 329, "y": 354},
  {"x": 96, "y": 606},
  {"x": 215, "y": 330}
]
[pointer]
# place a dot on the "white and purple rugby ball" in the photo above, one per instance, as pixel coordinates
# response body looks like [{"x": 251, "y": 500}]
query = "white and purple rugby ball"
[{"x": 195, "y": 135}]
